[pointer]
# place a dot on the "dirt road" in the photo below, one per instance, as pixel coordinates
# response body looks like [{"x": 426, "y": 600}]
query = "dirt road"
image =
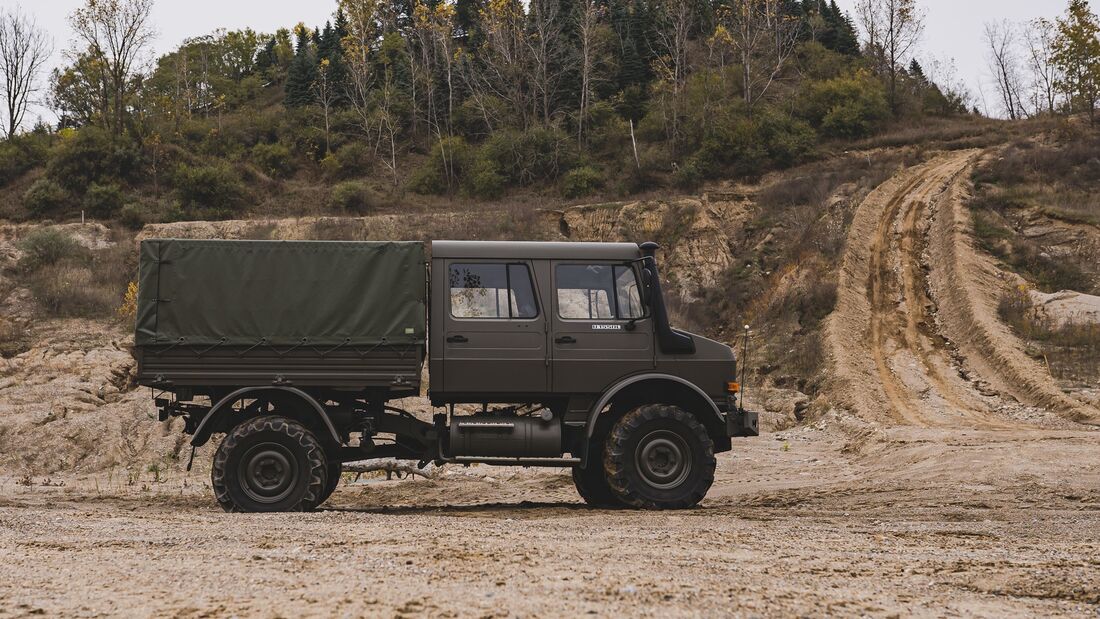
[
  {"x": 794, "y": 526},
  {"x": 956, "y": 480}
]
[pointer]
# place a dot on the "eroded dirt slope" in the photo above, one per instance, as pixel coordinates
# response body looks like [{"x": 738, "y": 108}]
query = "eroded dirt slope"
[{"x": 915, "y": 340}]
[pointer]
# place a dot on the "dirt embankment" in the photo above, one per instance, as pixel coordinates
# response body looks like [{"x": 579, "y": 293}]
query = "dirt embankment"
[{"x": 915, "y": 339}]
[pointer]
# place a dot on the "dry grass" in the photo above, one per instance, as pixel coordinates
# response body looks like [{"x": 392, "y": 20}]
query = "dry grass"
[
  {"x": 1071, "y": 350},
  {"x": 69, "y": 280}
]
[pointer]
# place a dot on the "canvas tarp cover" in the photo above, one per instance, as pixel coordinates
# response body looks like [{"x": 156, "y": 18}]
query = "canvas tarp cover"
[{"x": 280, "y": 293}]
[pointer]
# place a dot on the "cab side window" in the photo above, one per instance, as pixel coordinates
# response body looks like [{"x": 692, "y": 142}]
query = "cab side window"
[
  {"x": 597, "y": 292},
  {"x": 492, "y": 291}
]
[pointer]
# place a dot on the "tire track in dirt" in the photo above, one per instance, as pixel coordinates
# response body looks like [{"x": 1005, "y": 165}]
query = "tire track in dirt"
[{"x": 893, "y": 355}]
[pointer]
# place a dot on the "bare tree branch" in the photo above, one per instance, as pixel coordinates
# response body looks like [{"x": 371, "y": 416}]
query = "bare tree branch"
[{"x": 24, "y": 49}]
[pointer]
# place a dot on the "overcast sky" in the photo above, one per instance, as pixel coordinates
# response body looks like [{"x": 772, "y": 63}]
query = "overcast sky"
[{"x": 953, "y": 30}]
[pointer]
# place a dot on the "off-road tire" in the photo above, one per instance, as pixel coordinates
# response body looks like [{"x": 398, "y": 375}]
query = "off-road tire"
[
  {"x": 659, "y": 457},
  {"x": 274, "y": 444},
  {"x": 591, "y": 482},
  {"x": 332, "y": 479}
]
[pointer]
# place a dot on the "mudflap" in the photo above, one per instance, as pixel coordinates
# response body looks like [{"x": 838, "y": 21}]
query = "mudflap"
[{"x": 742, "y": 423}]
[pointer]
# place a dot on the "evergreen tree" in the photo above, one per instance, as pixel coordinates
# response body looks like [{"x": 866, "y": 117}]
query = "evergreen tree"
[
  {"x": 917, "y": 72},
  {"x": 303, "y": 71},
  {"x": 845, "y": 40}
]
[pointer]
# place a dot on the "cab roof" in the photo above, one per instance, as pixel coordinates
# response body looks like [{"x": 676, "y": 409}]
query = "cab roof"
[{"x": 535, "y": 250}]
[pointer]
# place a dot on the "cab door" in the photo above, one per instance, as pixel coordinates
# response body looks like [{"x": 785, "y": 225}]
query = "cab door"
[
  {"x": 494, "y": 336},
  {"x": 599, "y": 329}
]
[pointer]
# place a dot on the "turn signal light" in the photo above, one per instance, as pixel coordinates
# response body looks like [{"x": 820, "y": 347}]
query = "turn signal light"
[{"x": 733, "y": 387}]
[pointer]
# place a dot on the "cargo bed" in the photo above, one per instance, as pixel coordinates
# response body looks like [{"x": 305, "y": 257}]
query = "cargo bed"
[{"x": 302, "y": 313}]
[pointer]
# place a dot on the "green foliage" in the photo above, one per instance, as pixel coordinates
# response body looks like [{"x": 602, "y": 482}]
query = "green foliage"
[
  {"x": 132, "y": 216},
  {"x": 751, "y": 145},
  {"x": 92, "y": 155},
  {"x": 349, "y": 161},
  {"x": 210, "y": 191},
  {"x": 351, "y": 196},
  {"x": 45, "y": 197},
  {"x": 582, "y": 181},
  {"x": 103, "y": 201},
  {"x": 1077, "y": 56},
  {"x": 302, "y": 72},
  {"x": 46, "y": 247},
  {"x": 20, "y": 154},
  {"x": 446, "y": 165},
  {"x": 484, "y": 180},
  {"x": 275, "y": 160},
  {"x": 540, "y": 154},
  {"x": 851, "y": 106}
]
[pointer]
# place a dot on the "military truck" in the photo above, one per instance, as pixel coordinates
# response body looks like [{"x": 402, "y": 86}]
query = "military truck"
[{"x": 539, "y": 354}]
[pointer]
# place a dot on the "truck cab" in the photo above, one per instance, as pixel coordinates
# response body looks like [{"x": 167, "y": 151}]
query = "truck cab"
[{"x": 539, "y": 354}]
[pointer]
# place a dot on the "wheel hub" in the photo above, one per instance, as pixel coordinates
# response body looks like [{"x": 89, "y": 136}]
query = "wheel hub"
[
  {"x": 269, "y": 473},
  {"x": 664, "y": 459}
]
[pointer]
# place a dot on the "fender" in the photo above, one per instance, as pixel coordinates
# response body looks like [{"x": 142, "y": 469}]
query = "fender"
[
  {"x": 619, "y": 386},
  {"x": 206, "y": 428}
]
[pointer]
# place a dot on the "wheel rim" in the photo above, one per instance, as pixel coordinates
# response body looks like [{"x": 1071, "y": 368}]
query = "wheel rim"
[
  {"x": 269, "y": 472},
  {"x": 664, "y": 459}
]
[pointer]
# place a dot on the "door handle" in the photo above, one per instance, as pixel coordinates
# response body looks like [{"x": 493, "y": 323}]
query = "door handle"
[
  {"x": 457, "y": 339},
  {"x": 566, "y": 339}
]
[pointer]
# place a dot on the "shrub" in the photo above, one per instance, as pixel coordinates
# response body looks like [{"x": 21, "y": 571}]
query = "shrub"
[
  {"x": 582, "y": 181},
  {"x": 688, "y": 176},
  {"x": 448, "y": 161},
  {"x": 92, "y": 155},
  {"x": 851, "y": 106},
  {"x": 45, "y": 196},
  {"x": 20, "y": 154},
  {"x": 214, "y": 191},
  {"x": 103, "y": 201},
  {"x": 484, "y": 180},
  {"x": 535, "y": 155},
  {"x": 352, "y": 196},
  {"x": 48, "y": 246},
  {"x": 353, "y": 159},
  {"x": 275, "y": 160},
  {"x": 132, "y": 216}
]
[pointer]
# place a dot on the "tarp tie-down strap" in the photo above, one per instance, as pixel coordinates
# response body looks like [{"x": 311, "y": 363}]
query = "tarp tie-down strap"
[
  {"x": 199, "y": 353},
  {"x": 325, "y": 352},
  {"x": 169, "y": 347},
  {"x": 263, "y": 340}
]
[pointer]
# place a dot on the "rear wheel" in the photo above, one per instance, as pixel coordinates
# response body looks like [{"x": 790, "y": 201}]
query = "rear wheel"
[
  {"x": 591, "y": 482},
  {"x": 659, "y": 457},
  {"x": 269, "y": 464}
]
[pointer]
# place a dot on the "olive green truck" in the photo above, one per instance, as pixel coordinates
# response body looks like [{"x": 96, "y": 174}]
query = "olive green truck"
[{"x": 539, "y": 354}]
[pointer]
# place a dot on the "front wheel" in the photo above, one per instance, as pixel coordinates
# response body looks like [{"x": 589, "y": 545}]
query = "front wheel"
[
  {"x": 659, "y": 457},
  {"x": 269, "y": 464}
]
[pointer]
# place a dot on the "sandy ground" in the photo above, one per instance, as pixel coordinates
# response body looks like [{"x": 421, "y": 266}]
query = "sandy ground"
[
  {"x": 799, "y": 523},
  {"x": 956, "y": 479}
]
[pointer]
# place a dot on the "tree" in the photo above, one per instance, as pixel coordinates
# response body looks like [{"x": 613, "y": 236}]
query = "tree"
[
  {"x": 1077, "y": 57},
  {"x": 24, "y": 49},
  {"x": 115, "y": 34},
  {"x": 303, "y": 70},
  {"x": 588, "y": 23},
  {"x": 548, "y": 53},
  {"x": 1039, "y": 37},
  {"x": 763, "y": 38},
  {"x": 893, "y": 27},
  {"x": 326, "y": 95},
  {"x": 1000, "y": 37},
  {"x": 81, "y": 92}
]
